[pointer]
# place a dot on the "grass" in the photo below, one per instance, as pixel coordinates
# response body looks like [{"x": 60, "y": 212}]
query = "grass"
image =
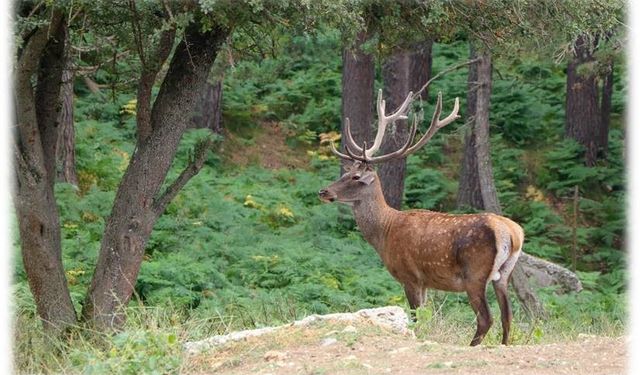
[{"x": 153, "y": 336}]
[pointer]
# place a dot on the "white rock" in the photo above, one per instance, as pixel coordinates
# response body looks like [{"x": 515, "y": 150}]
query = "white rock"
[
  {"x": 349, "y": 329},
  {"x": 329, "y": 341},
  {"x": 390, "y": 317}
]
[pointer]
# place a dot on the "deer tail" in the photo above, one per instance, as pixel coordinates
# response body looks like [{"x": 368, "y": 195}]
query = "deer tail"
[{"x": 509, "y": 241}]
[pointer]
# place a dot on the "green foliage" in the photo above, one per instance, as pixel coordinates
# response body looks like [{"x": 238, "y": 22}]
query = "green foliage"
[
  {"x": 427, "y": 188},
  {"x": 565, "y": 170},
  {"x": 300, "y": 86},
  {"x": 524, "y": 114}
]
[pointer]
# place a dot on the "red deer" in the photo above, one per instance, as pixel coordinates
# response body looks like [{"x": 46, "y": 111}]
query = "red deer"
[{"x": 424, "y": 249}]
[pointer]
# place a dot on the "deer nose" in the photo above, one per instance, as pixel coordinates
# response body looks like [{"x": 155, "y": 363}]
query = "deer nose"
[{"x": 326, "y": 196}]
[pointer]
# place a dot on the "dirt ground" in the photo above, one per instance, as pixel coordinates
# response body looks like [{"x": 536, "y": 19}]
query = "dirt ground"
[{"x": 364, "y": 349}]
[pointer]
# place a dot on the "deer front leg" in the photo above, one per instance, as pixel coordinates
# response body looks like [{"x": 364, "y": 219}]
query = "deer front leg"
[
  {"x": 478, "y": 300},
  {"x": 415, "y": 296}
]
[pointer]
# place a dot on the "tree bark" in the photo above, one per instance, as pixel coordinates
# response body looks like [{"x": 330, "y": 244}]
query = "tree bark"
[
  {"x": 65, "y": 149},
  {"x": 605, "y": 110},
  {"x": 469, "y": 193},
  {"x": 150, "y": 69},
  {"x": 483, "y": 154},
  {"x": 406, "y": 70},
  {"x": 583, "y": 115},
  {"x": 138, "y": 201},
  {"x": 34, "y": 160},
  {"x": 358, "y": 73},
  {"x": 208, "y": 112}
]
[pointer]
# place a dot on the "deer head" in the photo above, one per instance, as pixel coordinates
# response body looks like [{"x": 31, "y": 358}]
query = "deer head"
[{"x": 360, "y": 181}]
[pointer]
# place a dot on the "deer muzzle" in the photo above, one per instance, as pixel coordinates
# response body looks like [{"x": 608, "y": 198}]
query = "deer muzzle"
[{"x": 327, "y": 196}]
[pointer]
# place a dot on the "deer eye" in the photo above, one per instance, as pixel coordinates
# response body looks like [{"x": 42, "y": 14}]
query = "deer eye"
[{"x": 355, "y": 177}]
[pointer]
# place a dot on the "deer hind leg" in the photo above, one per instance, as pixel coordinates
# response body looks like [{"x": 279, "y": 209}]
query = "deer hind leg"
[
  {"x": 506, "y": 315},
  {"x": 502, "y": 294},
  {"x": 415, "y": 296},
  {"x": 478, "y": 301}
]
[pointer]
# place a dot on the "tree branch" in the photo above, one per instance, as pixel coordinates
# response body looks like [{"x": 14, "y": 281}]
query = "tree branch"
[
  {"x": 147, "y": 79},
  {"x": 137, "y": 32},
  {"x": 440, "y": 74},
  {"x": 196, "y": 163}
]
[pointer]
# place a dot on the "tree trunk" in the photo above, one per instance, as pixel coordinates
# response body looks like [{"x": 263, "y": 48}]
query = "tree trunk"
[
  {"x": 583, "y": 116},
  {"x": 34, "y": 158},
  {"x": 404, "y": 71},
  {"x": 477, "y": 187},
  {"x": 208, "y": 110},
  {"x": 483, "y": 154},
  {"x": 469, "y": 193},
  {"x": 138, "y": 202},
  {"x": 605, "y": 110},
  {"x": 358, "y": 73},
  {"x": 66, "y": 153}
]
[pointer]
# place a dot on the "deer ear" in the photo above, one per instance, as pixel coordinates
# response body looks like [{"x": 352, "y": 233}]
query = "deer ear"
[{"x": 367, "y": 178}]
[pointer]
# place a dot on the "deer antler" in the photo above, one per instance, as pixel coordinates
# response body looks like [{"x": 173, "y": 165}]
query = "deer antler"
[{"x": 352, "y": 148}]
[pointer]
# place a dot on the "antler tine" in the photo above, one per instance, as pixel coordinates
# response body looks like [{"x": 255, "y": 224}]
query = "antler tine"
[
  {"x": 338, "y": 153},
  {"x": 349, "y": 137},
  {"x": 452, "y": 116},
  {"x": 401, "y": 152},
  {"x": 364, "y": 152},
  {"x": 384, "y": 120},
  {"x": 436, "y": 123},
  {"x": 401, "y": 112},
  {"x": 352, "y": 154}
]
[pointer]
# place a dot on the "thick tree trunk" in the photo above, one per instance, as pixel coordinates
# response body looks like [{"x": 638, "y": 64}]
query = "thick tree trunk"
[
  {"x": 34, "y": 160},
  {"x": 583, "y": 116},
  {"x": 138, "y": 202},
  {"x": 208, "y": 111},
  {"x": 65, "y": 149},
  {"x": 358, "y": 73},
  {"x": 404, "y": 71}
]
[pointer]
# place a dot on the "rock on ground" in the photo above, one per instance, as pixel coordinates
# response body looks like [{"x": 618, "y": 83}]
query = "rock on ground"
[{"x": 390, "y": 317}]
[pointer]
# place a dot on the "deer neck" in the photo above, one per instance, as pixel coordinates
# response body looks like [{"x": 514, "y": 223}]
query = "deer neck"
[{"x": 374, "y": 218}]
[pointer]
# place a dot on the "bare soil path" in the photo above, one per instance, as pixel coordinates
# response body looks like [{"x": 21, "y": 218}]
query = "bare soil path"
[{"x": 356, "y": 348}]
